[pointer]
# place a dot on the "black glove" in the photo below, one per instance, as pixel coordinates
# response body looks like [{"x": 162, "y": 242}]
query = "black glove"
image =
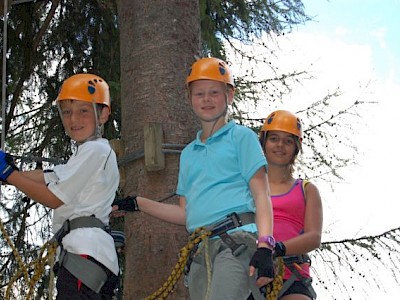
[
  {"x": 280, "y": 249},
  {"x": 128, "y": 204},
  {"x": 262, "y": 261},
  {"x": 10, "y": 160}
]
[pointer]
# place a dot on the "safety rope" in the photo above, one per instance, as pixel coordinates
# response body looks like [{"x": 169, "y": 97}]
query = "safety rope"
[
  {"x": 14, "y": 250},
  {"x": 199, "y": 235},
  {"x": 208, "y": 264},
  {"x": 195, "y": 238},
  {"x": 47, "y": 251},
  {"x": 277, "y": 284}
]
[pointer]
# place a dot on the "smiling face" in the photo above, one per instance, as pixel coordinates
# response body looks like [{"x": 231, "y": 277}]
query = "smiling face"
[
  {"x": 280, "y": 148},
  {"x": 79, "y": 119},
  {"x": 210, "y": 99}
]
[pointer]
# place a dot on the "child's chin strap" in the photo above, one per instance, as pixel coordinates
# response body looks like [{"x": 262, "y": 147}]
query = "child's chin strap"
[{"x": 223, "y": 114}]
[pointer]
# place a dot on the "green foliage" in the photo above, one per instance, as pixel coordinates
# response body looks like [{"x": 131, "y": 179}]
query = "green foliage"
[
  {"x": 54, "y": 42},
  {"x": 224, "y": 21},
  {"x": 50, "y": 40}
]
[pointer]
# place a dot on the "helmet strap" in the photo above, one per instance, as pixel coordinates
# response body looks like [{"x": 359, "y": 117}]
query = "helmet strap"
[{"x": 98, "y": 127}]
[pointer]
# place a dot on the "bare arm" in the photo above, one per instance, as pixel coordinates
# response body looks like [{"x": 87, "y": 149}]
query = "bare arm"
[
  {"x": 311, "y": 238},
  {"x": 168, "y": 212},
  {"x": 260, "y": 190},
  {"x": 264, "y": 219},
  {"x": 32, "y": 184},
  {"x": 35, "y": 175}
]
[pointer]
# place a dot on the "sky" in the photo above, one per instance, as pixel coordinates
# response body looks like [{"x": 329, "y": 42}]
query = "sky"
[{"x": 354, "y": 44}]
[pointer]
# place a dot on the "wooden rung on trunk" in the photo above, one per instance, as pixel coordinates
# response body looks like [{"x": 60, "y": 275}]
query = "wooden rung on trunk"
[{"x": 153, "y": 140}]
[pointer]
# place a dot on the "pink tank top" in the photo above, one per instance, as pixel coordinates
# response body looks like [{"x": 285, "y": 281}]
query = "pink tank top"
[{"x": 289, "y": 212}]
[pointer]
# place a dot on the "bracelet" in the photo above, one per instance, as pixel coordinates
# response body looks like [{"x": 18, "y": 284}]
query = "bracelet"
[
  {"x": 280, "y": 249},
  {"x": 268, "y": 239}
]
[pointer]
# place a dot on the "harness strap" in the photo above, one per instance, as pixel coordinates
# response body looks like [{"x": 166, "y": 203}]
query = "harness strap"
[
  {"x": 220, "y": 229},
  {"x": 255, "y": 290},
  {"x": 288, "y": 283},
  {"x": 80, "y": 222},
  {"x": 91, "y": 274},
  {"x": 87, "y": 271},
  {"x": 298, "y": 259},
  {"x": 289, "y": 263},
  {"x": 232, "y": 221}
]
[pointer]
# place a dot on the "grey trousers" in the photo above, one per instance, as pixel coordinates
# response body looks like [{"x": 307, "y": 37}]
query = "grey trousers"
[{"x": 227, "y": 276}]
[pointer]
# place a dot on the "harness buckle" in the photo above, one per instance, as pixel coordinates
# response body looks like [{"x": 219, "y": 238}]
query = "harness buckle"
[
  {"x": 290, "y": 262},
  {"x": 230, "y": 222},
  {"x": 62, "y": 232},
  {"x": 220, "y": 229},
  {"x": 237, "y": 222}
]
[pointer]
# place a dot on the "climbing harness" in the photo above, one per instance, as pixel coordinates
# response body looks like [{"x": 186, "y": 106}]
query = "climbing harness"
[
  {"x": 277, "y": 287},
  {"x": 221, "y": 229},
  {"x": 87, "y": 271},
  {"x": 199, "y": 235},
  {"x": 232, "y": 221},
  {"x": 293, "y": 264},
  {"x": 91, "y": 274},
  {"x": 202, "y": 234},
  {"x": 273, "y": 288}
]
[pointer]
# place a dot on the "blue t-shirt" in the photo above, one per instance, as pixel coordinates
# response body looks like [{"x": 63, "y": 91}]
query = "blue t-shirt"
[{"x": 214, "y": 176}]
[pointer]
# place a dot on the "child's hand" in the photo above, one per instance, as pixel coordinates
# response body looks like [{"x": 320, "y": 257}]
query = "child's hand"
[
  {"x": 262, "y": 261},
  {"x": 116, "y": 213},
  {"x": 7, "y": 165},
  {"x": 121, "y": 206}
]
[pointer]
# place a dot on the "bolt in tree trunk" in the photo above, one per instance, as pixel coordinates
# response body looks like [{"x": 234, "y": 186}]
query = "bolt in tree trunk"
[{"x": 158, "y": 42}]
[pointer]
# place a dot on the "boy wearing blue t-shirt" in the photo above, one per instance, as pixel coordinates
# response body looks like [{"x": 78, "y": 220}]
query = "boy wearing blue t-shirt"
[{"x": 222, "y": 177}]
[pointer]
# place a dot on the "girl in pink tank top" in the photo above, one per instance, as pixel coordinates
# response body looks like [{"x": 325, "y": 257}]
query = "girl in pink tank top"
[{"x": 297, "y": 207}]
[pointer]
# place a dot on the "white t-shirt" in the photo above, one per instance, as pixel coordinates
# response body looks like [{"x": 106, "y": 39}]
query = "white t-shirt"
[{"x": 86, "y": 185}]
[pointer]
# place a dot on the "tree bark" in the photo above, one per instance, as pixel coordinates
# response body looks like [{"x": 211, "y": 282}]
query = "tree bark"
[{"x": 159, "y": 40}]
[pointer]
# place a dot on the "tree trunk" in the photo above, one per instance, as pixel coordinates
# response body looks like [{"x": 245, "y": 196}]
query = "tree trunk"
[{"x": 158, "y": 42}]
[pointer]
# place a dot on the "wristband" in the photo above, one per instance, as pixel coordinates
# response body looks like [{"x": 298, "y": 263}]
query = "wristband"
[
  {"x": 268, "y": 239},
  {"x": 280, "y": 249}
]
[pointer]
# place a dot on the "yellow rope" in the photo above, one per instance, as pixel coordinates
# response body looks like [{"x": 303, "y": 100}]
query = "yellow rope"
[
  {"x": 208, "y": 264},
  {"x": 277, "y": 283},
  {"x": 14, "y": 251},
  {"x": 40, "y": 263},
  {"x": 195, "y": 238},
  {"x": 198, "y": 236},
  {"x": 47, "y": 251}
]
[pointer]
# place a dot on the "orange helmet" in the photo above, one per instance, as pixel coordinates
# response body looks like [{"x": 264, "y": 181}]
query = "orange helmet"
[
  {"x": 85, "y": 87},
  {"x": 210, "y": 68},
  {"x": 283, "y": 120}
]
